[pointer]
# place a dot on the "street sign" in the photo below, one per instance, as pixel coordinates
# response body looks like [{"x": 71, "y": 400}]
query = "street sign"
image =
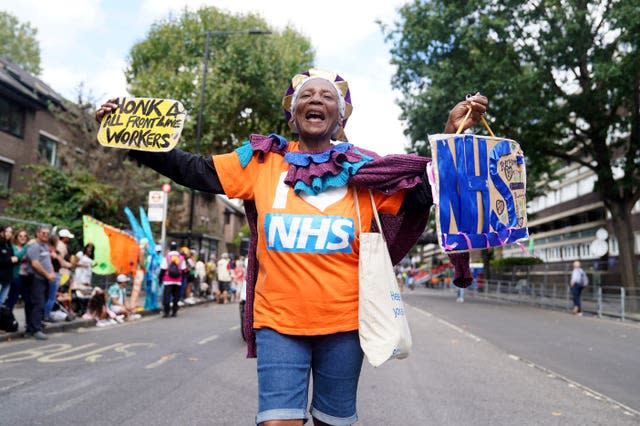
[
  {"x": 156, "y": 198},
  {"x": 157, "y": 206},
  {"x": 155, "y": 214},
  {"x": 166, "y": 187}
]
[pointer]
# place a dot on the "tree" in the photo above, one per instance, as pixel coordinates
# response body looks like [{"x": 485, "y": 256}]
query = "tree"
[
  {"x": 18, "y": 42},
  {"x": 61, "y": 198},
  {"x": 562, "y": 76},
  {"x": 246, "y": 76}
]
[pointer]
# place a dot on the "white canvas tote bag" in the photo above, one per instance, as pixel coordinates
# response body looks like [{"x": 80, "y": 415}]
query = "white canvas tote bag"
[{"x": 383, "y": 326}]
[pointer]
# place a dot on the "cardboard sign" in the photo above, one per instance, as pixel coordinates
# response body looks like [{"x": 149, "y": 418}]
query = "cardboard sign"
[
  {"x": 144, "y": 124},
  {"x": 479, "y": 186}
]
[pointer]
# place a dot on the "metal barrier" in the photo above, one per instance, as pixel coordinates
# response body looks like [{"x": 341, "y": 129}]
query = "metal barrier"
[{"x": 602, "y": 301}]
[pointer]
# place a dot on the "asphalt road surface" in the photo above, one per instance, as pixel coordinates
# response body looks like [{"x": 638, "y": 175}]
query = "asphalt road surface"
[{"x": 477, "y": 363}]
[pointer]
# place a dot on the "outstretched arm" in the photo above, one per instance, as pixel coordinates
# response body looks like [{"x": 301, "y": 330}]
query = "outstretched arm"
[{"x": 193, "y": 171}]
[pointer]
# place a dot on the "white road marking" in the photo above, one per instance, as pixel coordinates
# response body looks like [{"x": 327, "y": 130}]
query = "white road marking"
[
  {"x": 448, "y": 324},
  {"x": 208, "y": 339},
  {"x": 585, "y": 389},
  {"x": 161, "y": 361},
  {"x": 7, "y": 383},
  {"x": 68, "y": 403}
]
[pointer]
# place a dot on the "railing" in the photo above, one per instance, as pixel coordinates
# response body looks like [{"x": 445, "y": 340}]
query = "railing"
[{"x": 602, "y": 301}]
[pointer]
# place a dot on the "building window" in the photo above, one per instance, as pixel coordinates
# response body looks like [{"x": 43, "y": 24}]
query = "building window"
[
  {"x": 11, "y": 117},
  {"x": 5, "y": 176},
  {"x": 48, "y": 150}
]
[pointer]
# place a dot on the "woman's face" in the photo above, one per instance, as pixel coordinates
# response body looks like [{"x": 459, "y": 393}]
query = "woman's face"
[
  {"x": 22, "y": 237},
  {"x": 8, "y": 233},
  {"x": 317, "y": 111}
]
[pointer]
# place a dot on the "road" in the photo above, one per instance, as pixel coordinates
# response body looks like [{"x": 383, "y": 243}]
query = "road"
[{"x": 467, "y": 368}]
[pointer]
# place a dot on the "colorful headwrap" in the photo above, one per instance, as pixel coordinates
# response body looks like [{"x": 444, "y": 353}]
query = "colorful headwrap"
[{"x": 340, "y": 83}]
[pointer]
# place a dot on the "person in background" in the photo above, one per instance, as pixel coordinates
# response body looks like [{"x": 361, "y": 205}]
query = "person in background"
[
  {"x": 172, "y": 271},
  {"x": 97, "y": 309},
  {"x": 460, "y": 294},
  {"x": 58, "y": 262},
  {"x": 579, "y": 280},
  {"x": 192, "y": 288},
  {"x": 82, "y": 275},
  {"x": 224, "y": 278},
  {"x": 117, "y": 298},
  {"x": 233, "y": 289},
  {"x": 19, "y": 244},
  {"x": 238, "y": 277},
  {"x": 152, "y": 279},
  {"x": 39, "y": 274},
  {"x": 7, "y": 261},
  {"x": 200, "y": 286},
  {"x": 62, "y": 247},
  {"x": 186, "y": 283},
  {"x": 212, "y": 277}
]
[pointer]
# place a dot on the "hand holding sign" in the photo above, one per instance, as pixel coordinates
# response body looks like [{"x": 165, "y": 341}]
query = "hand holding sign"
[{"x": 144, "y": 124}]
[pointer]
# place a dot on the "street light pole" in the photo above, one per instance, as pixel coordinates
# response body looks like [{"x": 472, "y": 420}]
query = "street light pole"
[{"x": 205, "y": 63}]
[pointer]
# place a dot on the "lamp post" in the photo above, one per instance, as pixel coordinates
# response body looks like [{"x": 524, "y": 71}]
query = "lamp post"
[{"x": 205, "y": 62}]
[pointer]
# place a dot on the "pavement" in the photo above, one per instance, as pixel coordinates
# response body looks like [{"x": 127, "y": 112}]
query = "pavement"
[{"x": 61, "y": 326}]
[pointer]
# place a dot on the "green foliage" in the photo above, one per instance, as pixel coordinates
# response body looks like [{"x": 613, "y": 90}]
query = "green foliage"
[
  {"x": 515, "y": 261},
  {"x": 246, "y": 78},
  {"x": 243, "y": 232},
  {"x": 61, "y": 198},
  {"x": 562, "y": 78},
  {"x": 18, "y": 43}
]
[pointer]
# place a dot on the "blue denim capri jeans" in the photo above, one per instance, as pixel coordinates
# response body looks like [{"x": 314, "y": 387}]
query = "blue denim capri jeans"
[{"x": 285, "y": 364}]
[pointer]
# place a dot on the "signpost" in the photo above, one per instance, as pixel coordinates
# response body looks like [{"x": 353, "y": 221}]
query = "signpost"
[{"x": 157, "y": 211}]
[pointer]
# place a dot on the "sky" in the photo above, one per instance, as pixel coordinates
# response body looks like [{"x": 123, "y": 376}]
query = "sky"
[{"x": 87, "y": 42}]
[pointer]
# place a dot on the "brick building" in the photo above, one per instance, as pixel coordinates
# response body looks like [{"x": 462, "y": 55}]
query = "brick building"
[{"x": 34, "y": 129}]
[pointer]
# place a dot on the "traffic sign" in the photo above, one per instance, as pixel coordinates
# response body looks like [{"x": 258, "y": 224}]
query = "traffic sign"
[{"x": 156, "y": 198}]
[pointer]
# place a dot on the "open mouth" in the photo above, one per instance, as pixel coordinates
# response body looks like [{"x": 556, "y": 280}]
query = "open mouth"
[{"x": 316, "y": 116}]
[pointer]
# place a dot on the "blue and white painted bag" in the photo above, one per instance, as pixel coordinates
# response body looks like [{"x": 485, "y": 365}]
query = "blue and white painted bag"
[{"x": 479, "y": 185}]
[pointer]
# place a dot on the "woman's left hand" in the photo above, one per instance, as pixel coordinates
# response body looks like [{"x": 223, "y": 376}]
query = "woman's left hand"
[{"x": 478, "y": 104}]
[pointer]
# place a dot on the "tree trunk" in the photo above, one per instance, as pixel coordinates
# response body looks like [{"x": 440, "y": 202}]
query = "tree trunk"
[{"x": 622, "y": 227}]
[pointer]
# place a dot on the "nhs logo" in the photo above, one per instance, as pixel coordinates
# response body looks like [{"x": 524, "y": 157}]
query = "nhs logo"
[{"x": 308, "y": 233}]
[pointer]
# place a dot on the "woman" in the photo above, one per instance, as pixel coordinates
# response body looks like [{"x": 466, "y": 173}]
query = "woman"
[
  {"x": 82, "y": 274},
  {"x": 7, "y": 261},
  {"x": 19, "y": 244},
  {"x": 97, "y": 309},
  {"x": 238, "y": 277},
  {"x": 299, "y": 200},
  {"x": 59, "y": 262}
]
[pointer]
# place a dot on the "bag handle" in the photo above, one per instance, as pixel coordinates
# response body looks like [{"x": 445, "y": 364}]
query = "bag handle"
[
  {"x": 373, "y": 206},
  {"x": 486, "y": 125}
]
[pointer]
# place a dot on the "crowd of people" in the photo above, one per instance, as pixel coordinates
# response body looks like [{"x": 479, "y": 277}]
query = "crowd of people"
[
  {"x": 55, "y": 283},
  {"x": 43, "y": 272}
]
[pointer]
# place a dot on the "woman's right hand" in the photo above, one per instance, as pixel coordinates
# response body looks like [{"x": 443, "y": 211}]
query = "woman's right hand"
[{"x": 105, "y": 108}]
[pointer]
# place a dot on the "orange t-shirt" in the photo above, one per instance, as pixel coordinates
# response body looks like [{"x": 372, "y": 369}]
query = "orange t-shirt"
[{"x": 307, "y": 249}]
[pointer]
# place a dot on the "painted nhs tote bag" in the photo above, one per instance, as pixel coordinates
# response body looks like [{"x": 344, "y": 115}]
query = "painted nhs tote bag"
[{"x": 479, "y": 184}]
